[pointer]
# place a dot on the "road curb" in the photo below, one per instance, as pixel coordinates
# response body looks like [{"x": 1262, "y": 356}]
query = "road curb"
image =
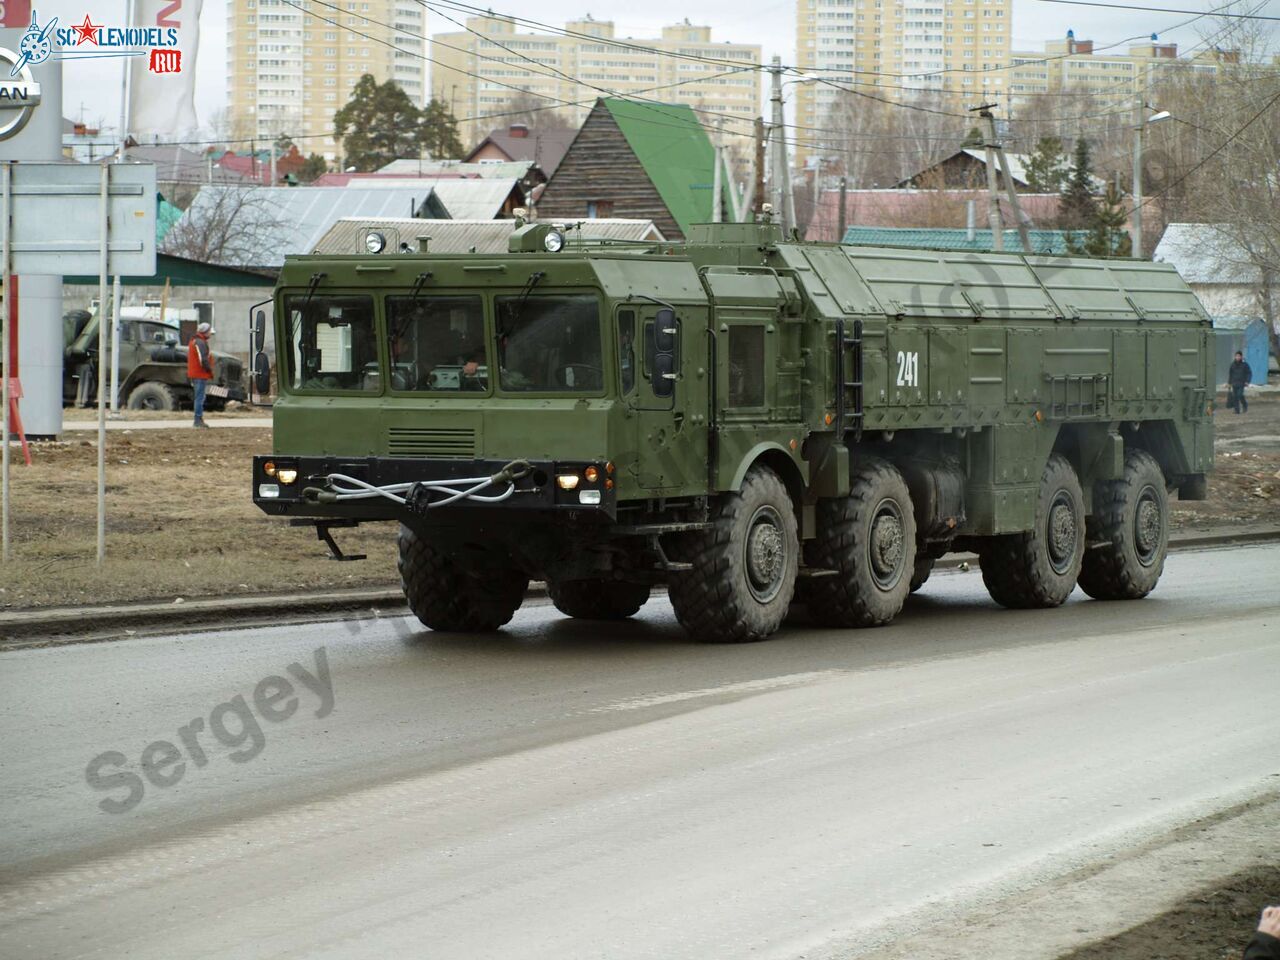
[{"x": 33, "y": 627}]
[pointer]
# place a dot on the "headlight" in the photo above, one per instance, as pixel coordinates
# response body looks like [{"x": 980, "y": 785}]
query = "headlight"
[
  {"x": 553, "y": 242},
  {"x": 286, "y": 475},
  {"x": 374, "y": 242},
  {"x": 567, "y": 481},
  {"x": 268, "y": 491},
  {"x": 588, "y": 496}
]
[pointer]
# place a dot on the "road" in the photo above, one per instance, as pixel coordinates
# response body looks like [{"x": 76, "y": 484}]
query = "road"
[{"x": 567, "y": 789}]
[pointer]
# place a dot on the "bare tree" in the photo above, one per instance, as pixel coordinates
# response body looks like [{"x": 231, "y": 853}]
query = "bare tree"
[
  {"x": 879, "y": 142},
  {"x": 533, "y": 111},
  {"x": 232, "y": 225},
  {"x": 1219, "y": 163}
]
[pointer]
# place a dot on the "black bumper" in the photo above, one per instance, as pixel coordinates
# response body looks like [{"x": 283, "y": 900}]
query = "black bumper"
[{"x": 536, "y": 492}]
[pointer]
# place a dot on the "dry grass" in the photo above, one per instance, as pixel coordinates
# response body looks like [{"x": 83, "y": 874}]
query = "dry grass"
[{"x": 180, "y": 523}]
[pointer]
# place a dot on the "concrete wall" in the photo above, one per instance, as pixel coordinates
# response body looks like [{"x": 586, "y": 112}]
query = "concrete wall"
[{"x": 230, "y": 309}]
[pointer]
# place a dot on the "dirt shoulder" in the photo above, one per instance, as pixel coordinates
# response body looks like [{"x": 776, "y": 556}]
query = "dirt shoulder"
[{"x": 180, "y": 522}]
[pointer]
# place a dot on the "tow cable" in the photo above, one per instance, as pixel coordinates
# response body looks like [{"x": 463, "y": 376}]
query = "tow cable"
[{"x": 419, "y": 493}]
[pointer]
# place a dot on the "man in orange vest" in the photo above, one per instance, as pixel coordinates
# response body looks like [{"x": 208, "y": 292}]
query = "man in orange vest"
[{"x": 200, "y": 368}]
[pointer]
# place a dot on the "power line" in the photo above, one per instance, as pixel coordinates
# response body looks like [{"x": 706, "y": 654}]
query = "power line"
[{"x": 1128, "y": 6}]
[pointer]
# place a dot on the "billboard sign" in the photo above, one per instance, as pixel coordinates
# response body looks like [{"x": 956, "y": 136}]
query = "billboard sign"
[{"x": 56, "y": 211}]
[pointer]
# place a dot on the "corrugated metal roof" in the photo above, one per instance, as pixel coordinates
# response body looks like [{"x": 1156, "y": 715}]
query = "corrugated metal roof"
[
  {"x": 462, "y": 199},
  {"x": 459, "y": 236},
  {"x": 1206, "y": 253},
  {"x": 931, "y": 238},
  {"x": 283, "y": 220},
  {"x": 505, "y": 170}
]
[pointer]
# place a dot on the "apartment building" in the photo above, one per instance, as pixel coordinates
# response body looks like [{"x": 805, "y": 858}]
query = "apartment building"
[
  {"x": 898, "y": 49},
  {"x": 479, "y": 70},
  {"x": 1071, "y": 64},
  {"x": 289, "y": 70}
]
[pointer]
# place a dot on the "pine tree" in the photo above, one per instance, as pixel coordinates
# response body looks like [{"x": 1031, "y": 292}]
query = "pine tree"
[
  {"x": 1078, "y": 205},
  {"x": 1045, "y": 166},
  {"x": 439, "y": 131},
  {"x": 1107, "y": 236},
  {"x": 973, "y": 140},
  {"x": 378, "y": 124}
]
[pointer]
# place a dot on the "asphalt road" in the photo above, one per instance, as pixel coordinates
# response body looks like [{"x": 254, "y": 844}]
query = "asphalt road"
[{"x": 570, "y": 790}]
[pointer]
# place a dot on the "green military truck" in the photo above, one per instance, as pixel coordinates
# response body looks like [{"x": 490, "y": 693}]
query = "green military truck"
[{"x": 745, "y": 418}]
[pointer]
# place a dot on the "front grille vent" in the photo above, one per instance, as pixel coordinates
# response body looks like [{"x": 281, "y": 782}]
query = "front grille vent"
[{"x": 431, "y": 442}]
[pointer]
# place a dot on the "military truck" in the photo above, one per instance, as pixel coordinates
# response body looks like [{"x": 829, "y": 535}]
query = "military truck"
[
  {"x": 745, "y": 418},
  {"x": 152, "y": 365}
]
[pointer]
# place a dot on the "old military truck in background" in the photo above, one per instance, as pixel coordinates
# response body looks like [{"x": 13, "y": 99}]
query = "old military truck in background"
[
  {"x": 152, "y": 364},
  {"x": 746, "y": 419}
]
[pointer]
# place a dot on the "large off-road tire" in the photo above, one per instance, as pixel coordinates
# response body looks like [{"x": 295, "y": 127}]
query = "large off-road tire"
[
  {"x": 153, "y": 395},
  {"x": 1132, "y": 515},
  {"x": 1039, "y": 568},
  {"x": 744, "y": 566},
  {"x": 445, "y": 598},
  {"x": 920, "y": 572},
  {"x": 869, "y": 538},
  {"x": 598, "y": 599}
]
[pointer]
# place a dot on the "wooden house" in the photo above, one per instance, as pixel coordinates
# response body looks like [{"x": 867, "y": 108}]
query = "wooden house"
[{"x": 636, "y": 160}]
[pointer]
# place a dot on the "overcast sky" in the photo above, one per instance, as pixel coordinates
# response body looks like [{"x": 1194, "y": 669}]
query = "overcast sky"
[{"x": 94, "y": 86}]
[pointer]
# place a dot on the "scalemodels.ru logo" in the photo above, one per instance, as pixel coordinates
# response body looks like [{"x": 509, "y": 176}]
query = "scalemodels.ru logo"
[{"x": 101, "y": 39}]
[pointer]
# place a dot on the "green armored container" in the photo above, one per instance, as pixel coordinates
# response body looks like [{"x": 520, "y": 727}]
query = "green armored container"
[{"x": 749, "y": 420}]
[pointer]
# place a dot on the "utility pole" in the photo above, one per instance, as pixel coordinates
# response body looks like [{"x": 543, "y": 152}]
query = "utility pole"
[
  {"x": 840, "y": 220},
  {"x": 115, "y": 286},
  {"x": 1138, "y": 124},
  {"x": 776, "y": 161},
  {"x": 716, "y": 185},
  {"x": 273, "y": 164},
  {"x": 993, "y": 188},
  {"x": 995, "y": 148},
  {"x": 757, "y": 178},
  {"x": 784, "y": 204}
]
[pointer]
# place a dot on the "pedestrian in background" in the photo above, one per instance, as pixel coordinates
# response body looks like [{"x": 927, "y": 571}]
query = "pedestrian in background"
[
  {"x": 1265, "y": 943},
  {"x": 200, "y": 368},
  {"x": 1238, "y": 374}
]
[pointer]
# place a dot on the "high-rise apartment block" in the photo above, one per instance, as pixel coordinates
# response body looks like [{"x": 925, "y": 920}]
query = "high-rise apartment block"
[
  {"x": 479, "y": 70},
  {"x": 896, "y": 49},
  {"x": 290, "y": 70},
  {"x": 1072, "y": 65}
]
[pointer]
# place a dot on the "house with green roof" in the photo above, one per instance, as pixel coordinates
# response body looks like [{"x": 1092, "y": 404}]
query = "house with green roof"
[{"x": 636, "y": 159}]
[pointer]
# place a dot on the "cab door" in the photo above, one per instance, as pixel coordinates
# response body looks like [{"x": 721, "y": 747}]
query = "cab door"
[{"x": 662, "y": 378}]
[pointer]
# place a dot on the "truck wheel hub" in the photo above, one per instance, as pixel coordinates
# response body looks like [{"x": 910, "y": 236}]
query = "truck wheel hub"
[
  {"x": 1062, "y": 533},
  {"x": 766, "y": 554},
  {"x": 886, "y": 544},
  {"x": 1147, "y": 525}
]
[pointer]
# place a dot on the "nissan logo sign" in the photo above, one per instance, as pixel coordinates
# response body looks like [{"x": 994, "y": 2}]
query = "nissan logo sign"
[{"x": 19, "y": 93}]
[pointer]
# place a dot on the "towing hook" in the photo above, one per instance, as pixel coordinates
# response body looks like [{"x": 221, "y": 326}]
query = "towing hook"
[{"x": 513, "y": 471}]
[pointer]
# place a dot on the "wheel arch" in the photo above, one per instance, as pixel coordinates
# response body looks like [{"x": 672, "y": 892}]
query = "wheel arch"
[{"x": 778, "y": 459}]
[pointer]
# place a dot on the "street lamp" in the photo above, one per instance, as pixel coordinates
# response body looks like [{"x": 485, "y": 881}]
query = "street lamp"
[{"x": 1139, "y": 126}]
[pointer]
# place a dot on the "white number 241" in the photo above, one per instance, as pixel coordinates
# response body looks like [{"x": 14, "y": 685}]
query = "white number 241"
[{"x": 908, "y": 368}]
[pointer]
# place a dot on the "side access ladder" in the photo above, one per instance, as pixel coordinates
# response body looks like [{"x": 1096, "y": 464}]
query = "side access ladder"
[{"x": 848, "y": 382}]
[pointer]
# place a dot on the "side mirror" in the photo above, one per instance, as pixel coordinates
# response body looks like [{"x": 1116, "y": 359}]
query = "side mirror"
[
  {"x": 664, "y": 375},
  {"x": 664, "y": 333},
  {"x": 259, "y": 331},
  {"x": 261, "y": 374}
]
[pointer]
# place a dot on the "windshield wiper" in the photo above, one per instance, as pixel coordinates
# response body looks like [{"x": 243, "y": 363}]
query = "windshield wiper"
[{"x": 513, "y": 309}]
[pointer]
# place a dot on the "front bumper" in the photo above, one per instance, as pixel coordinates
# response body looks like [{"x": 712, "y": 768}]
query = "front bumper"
[{"x": 537, "y": 492}]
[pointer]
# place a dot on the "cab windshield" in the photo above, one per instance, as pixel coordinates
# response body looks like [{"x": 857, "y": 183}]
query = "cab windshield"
[
  {"x": 332, "y": 345},
  {"x": 437, "y": 343},
  {"x": 549, "y": 344}
]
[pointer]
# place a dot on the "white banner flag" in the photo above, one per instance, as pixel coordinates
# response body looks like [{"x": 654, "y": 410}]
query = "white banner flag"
[{"x": 162, "y": 83}]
